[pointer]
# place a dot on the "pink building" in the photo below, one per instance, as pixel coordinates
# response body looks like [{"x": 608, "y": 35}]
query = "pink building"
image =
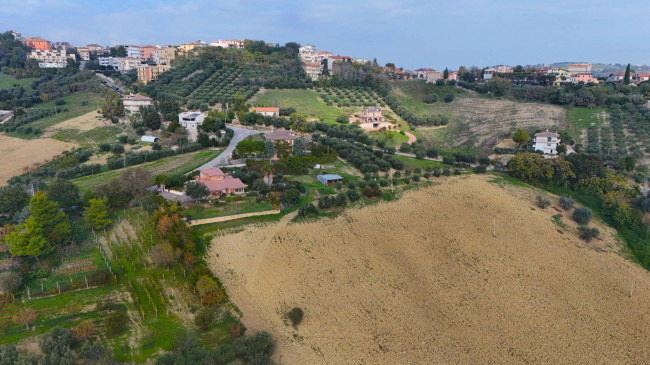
[
  {"x": 586, "y": 78},
  {"x": 219, "y": 182}
]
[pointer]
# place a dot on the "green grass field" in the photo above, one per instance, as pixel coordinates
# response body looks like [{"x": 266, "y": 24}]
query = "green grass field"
[
  {"x": 412, "y": 163},
  {"x": 92, "y": 137},
  {"x": 8, "y": 82},
  {"x": 581, "y": 118},
  {"x": 305, "y": 101},
  {"x": 73, "y": 109},
  {"x": 178, "y": 164},
  {"x": 411, "y": 93},
  {"x": 391, "y": 138},
  {"x": 247, "y": 205}
]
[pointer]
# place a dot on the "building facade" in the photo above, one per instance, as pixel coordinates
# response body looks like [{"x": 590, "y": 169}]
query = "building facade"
[
  {"x": 132, "y": 103},
  {"x": 546, "y": 142},
  {"x": 135, "y": 52},
  {"x": 37, "y": 43},
  {"x": 95, "y": 48},
  {"x": 191, "y": 121},
  {"x": 147, "y": 73},
  {"x": 371, "y": 119},
  {"x": 84, "y": 53},
  {"x": 163, "y": 56},
  {"x": 52, "y": 58},
  {"x": 228, "y": 43},
  {"x": 579, "y": 68},
  {"x": 313, "y": 69}
]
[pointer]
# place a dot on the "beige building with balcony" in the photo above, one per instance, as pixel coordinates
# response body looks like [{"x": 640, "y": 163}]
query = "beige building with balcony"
[
  {"x": 147, "y": 73},
  {"x": 163, "y": 56}
]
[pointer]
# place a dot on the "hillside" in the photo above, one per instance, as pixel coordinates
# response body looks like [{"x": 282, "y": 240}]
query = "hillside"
[
  {"x": 474, "y": 120},
  {"x": 446, "y": 292}
]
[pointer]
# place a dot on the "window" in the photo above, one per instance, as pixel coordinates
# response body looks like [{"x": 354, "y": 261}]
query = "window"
[{"x": 548, "y": 139}]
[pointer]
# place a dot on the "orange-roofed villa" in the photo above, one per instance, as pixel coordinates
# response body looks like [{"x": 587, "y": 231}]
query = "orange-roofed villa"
[
  {"x": 219, "y": 182},
  {"x": 371, "y": 119}
]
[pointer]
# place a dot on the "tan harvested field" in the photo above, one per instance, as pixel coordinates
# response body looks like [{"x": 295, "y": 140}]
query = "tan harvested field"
[
  {"x": 18, "y": 155},
  {"x": 79, "y": 124},
  {"x": 422, "y": 280},
  {"x": 478, "y": 121}
]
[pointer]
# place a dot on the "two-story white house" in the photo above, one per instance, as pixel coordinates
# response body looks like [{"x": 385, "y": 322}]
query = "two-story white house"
[
  {"x": 547, "y": 142},
  {"x": 191, "y": 121}
]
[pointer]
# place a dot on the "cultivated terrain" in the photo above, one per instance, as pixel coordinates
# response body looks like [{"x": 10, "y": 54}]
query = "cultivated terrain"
[{"x": 413, "y": 281}]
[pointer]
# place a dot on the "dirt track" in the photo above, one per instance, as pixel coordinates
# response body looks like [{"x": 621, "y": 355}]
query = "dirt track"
[
  {"x": 18, "y": 155},
  {"x": 423, "y": 281}
]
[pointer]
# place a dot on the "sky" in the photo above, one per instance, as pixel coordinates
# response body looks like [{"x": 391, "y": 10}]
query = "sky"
[{"x": 409, "y": 33}]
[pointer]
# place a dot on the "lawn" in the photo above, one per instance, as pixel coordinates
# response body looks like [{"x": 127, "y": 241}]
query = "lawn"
[
  {"x": 247, "y": 205},
  {"x": 305, "y": 101},
  {"x": 412, "y": 163},
  {"x": 411, "y": 94},
  {"x": 8, "y": 82},
  {"x": 71, "y": 109},
  {"x": 581, "y": 118},
  {"x": 391, "y": 138},
  {"x": 178, "y": 164}
]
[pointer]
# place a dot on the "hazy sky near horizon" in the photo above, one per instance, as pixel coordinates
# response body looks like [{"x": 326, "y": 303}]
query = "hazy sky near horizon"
[{"x": 410, "y": 33}]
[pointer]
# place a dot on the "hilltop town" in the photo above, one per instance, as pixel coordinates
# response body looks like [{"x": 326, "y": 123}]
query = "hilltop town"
[{"x": 240, "y": 201}]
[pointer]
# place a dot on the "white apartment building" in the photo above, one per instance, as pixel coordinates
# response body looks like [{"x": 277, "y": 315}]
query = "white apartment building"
[
  {"x": 51, "y": 58},
  {"x": 228, "y": 43},
  {"x": 134, "y": 52}
]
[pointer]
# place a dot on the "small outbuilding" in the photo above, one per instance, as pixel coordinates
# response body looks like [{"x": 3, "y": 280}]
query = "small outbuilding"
[
  {"x": 329, "y": 179},
  {"x": 149, "y": 139}
]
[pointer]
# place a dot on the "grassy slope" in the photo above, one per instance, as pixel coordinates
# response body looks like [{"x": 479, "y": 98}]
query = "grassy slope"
[
  {"x": 168, "y": 165},
  {"x": 305, "y": 101},
  {"x": 73, "y": 106},
  {"x": 7, "y": 82},
  {"x": 581, "y": 118}
]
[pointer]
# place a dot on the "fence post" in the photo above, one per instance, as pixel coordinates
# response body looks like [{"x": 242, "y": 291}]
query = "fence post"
[
  {"x": 29, "y": 297},
  {"x": 42, "y": 289},
  {"x": 85, "y": 278},
  {"x": 58, "y": 287}
]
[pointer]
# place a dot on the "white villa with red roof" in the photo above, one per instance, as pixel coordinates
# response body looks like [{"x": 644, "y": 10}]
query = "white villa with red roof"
[
  {"x": 547, "y": 142},
  {"x": 219, "y": 182},
  {"x": 267, "y": 111}
]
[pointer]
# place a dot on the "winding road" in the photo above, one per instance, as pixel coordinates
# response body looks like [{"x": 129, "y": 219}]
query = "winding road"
[{"x": 222, "y": 159}]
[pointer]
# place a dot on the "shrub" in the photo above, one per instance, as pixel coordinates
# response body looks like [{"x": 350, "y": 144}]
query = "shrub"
[
  {"x": 104, "y": 147},
  {"x": 257, "y": 347},
  {"x": 587, "y": 233},
  {"x": 10, "y": 281},
  {"x": 430, "y": 99},
  {"x": 295, "y": 315},
  {"x": 204, "y": 319},
  {"x": 543, "y": 201},
  {"x": 480, "y": 169},
  {"x": 56, "y": 346},
  {"x": 448, "y": 98},
  {"x": 123, "y": 138},
  {"x": 436, "y": 173},
  {"x": 449, "y": 160},
  {"x": 566, "y": 202},
  {"x": 485, "y": 161},
  {"x": 432, "y": 152},
  {"x": 59, "y": 102},
  {"x": 116, "y": 322},
  {"x": 582, "y": 215},
  {"x": 117, "y": 149},
  {"x": 353, "y": 195}
]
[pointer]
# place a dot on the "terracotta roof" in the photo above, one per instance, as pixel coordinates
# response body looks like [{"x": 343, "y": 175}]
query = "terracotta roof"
[
  {"x": 266, "y": 109},
  {"x": 312, "y": 64},
  {"x": 280, "y": 134},
  {"x": 547, "y": 134},
  {"x": 340, "y": 57},
  {"x": 214, "y": 171},
  {"x": 324, "y": 52},
  {"x": 228, "y": 182}
]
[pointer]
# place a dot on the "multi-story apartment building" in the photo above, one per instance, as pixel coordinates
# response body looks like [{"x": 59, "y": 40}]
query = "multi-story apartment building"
[
  {"x": 147, "y": 73},
  {"x": 186, "y": 48},
  {"x": 51, "y": 58},
  {"x": 108, "y": 61},
  {"x": 163, "y": 56},
  {"x": 579, "y": 68},
  {"x": 147, "y": 51},
  {"x": 313, "y": 69},
  {"x": 126, "y": 64},
  {"x": 84, "y": 53},
  {"x": 37, "y": 43},
  {"x": 134, "y": 52},
  {"x": 95, "y": 48}
]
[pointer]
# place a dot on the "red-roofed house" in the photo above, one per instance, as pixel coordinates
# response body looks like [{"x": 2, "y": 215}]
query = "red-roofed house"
[
  {"x": 641, "y": 77},
  {"x": 281, "y": 135},
  {"x": 219, "y": 182},
  {"x": 267, "y": 112}
]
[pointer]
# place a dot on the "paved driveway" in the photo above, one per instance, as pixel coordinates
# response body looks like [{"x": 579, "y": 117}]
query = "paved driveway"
[{"x": 224, "y": 157}]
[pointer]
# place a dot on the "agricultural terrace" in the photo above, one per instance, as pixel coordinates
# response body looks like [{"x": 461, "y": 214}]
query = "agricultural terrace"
[
  {"x": 8, "y": 82},
  {"x": 305, "y": 102}
]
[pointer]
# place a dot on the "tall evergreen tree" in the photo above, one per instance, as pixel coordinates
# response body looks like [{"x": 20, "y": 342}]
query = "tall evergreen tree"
[
  {"x": 46, "y": 213},
  {"x": 97, "y": 213},
  {"x": 28, "y": 240},
  {"x": 626, "y": 78},
  {"x": 445, "y": 74}
]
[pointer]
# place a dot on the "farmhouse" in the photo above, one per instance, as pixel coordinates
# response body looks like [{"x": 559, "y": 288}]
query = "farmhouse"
[
  {"x": 547, "y": 142},
  {"x": 281, "y": 135},
  {"x": 132, "y": 103},
  {"x": 267, "y": 112},
  {"x": 329, "y": 179},
  {"x": 371, "y": 119},
  {"x": 219, "y": 182},
  {"x": 191, "y": 121}
]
